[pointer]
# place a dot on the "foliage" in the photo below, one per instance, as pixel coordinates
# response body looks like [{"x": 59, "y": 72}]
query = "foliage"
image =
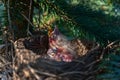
[
  {"x": 110, "y": 7},
  {"x": 50, "y": 14},
  {"x": 76, "y": 18},
  {"x": 3, "y": 20},
  {"x": 94, "y": 20}
]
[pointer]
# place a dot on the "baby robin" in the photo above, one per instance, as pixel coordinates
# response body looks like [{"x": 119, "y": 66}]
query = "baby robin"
[{"x": 60, "y": 48}]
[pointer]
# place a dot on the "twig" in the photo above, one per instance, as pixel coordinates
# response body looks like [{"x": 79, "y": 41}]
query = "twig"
[
  {"x": 73, "y": 72},
  {"x": 28, "y": 30},
  {"x": 103, "y": 52},
  {"x": 107, "y": 47},
  {"x": 33, "y": 72},
  {"x": 90, "y": 78},
  {"x": 2, "y": 59},
  {"x": 27, "y": 19},
  {"x": 15, "y": 76},
  {"x": 95, "y": 48},
  {"x": 15, "y": 49},
  {"x": 7, "y": 63},
  {"x": 42, "y": 73},
  {"x": 92, "y": 63},
  {"x": 93, "y": 72},
  {"x": 12, "y": 33},
  {"x": 79, "y": 61},
  {"x": 9, "y": 18},
  {"x": 112, "y": 43}
]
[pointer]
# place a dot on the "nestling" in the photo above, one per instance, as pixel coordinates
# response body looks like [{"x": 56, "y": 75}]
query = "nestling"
[{"x": 60, "y": 48}]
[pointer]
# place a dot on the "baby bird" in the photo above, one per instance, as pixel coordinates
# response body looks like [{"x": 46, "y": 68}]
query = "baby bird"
[{"x": 60, "y": 48}]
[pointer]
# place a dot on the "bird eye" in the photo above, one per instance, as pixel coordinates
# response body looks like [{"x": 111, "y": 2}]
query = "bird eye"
[{"x": 54, "y": 36}]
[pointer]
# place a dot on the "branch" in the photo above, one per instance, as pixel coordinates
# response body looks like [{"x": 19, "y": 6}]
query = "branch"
[
  {"x": 73, "y": 72},
  {"x": 42, "y": 73},
  {"x": 28, "y": 32},
  {"x": 27, "y": 19},
  {"x": 9, "y": 18}
]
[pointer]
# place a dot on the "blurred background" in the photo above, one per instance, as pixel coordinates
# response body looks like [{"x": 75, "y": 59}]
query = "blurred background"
[{"x": 94, "y": 20}]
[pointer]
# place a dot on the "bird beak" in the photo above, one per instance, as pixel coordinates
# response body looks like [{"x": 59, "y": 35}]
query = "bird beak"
[{"x": 56, "y": 31}]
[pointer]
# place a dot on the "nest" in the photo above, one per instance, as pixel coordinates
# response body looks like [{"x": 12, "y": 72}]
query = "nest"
[
  {"x": 26, "y": 62},
  {"x": 5, "y": 62},
  {"x": 31, "y": 65}
]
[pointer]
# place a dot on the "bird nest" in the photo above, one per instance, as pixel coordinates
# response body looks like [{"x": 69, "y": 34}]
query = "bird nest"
[
  {"x": 33, "y": 64},
  {"x": 25, "y": 63}
]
